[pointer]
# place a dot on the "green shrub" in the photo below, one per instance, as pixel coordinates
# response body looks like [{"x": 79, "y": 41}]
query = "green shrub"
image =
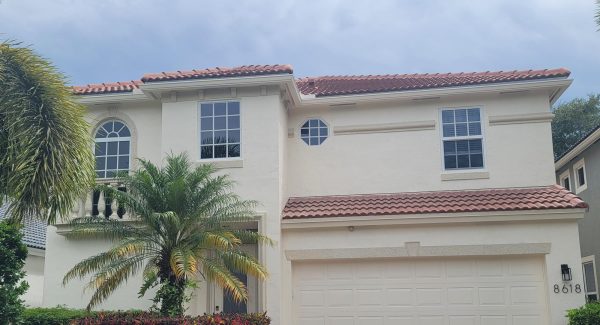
[
  {"x": 65, "y": 316},
  {"x": 585, "y": 315},
  {"x": 12, "y": 285}
]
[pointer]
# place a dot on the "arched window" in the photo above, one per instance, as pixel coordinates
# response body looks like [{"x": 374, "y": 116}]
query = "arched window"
[{"x": 113, "y": 149}]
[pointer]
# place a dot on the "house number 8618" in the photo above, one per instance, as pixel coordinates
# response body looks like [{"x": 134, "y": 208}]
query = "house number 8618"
[{"x": 567, "y": 288}]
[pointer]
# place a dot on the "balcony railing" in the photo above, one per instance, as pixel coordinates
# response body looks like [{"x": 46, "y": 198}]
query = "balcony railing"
[{"x": 100, "y": 204}]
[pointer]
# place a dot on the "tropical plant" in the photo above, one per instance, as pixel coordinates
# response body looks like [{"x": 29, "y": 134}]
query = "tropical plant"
[
  {"x": 46, "y": 161},
  {"x": 12, "y": 259},
  {"x": 184, "y": 225},
  {"x": 573, "y": 120}
]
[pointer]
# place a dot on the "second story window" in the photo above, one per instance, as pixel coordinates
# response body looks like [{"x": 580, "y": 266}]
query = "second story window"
[
  {"x": 313, "y": 132},
  {"x": 462, "y": 138},
  {"x": 580, "y": 176},
  {"x": 112, "y": 150},
  {"x": 565, "y": 180},
  {"x": 220, "y": 133}
]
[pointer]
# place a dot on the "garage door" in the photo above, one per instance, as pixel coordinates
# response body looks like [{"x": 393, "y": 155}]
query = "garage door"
[{"x": 453, "y": 291}]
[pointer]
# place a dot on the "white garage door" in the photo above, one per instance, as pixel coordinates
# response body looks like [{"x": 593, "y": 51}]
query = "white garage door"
[{"x": 452, "y": 291}]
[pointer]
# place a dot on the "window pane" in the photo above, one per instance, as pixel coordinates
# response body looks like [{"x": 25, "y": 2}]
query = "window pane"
[
  {"x": 306, "y": 140},
  {"x": 111, "y": 163},
  {"x": 476, "y": 160},
  {"x": 220, "y": 137},
  {"x": 323, "y": 131},
  {"x": 475, "y": 146},
  {"x": 206, "y": 123},
  {"x": 233, "y": 108},
  {"x": 112, "y": 147},
  {"x": 234, "y": 122},
  {"x": 100, "y": 148},
  {"x": 111, "y": 173},
  {"x": 462, "y": 161},
  {"x": 206, "y": 110},
  {"x": 449, "y": 147},
  {"x": 462, "y": 147},
  {"x": 123, "y": 162},
  {"x": 322, "y": 139},
  {"x": 206, "y": 137},
  {"x": 100, "y": 163},
  {"x": 206, "y": 152},
  {"x": 461, "y": 130},
  {"x": 304, "y": 132},
  {"x": 220, "y": 151},
  {"x": 590, "y": 284},
  {"x": 101, "y": 133},
  {"x": 220, "y": 109},
  {"x": 101, "y": 174},
  {"x": 581, "y": 176},
  {"x": 460, "y": 115},
  {"x": 450, "y": 162},
  {"x": 108, "y": 126},
  {"x": 124, "y": 132},
  {"x": 313, "y": 123},
  {"x": 220, "y": 123},
  {"x": 566, "y": 183},
  {"x": 113, "y": 135},
  {"x": 118, "y": 126},
  {"x": 305, "y": 125},
  {"x": 473, "y": 114},
  {"x": 448, "y": 116},
  {"x": 322, "y": 124},
  {"x": 233, "y": 136},
  {"x": 123, "y": 147},
  {"x": 233, "y": 150},
  {"x": 314, "y": 141},
  {"x": 449, "y": 130},
  {"x": 475, "y": 128},
  {"x": 314, "y": 132}
]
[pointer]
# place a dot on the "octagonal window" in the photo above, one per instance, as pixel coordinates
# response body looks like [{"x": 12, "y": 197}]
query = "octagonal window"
[{"x": 313, "y": 132}]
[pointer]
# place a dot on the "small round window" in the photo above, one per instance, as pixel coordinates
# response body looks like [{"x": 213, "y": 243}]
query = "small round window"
[{"x": 314, "y": 132}]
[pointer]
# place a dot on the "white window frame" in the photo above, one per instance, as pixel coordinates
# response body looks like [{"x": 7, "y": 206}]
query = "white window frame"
[
  {"x": 587, "y": 260},
  {"x": 578, "y": 187},
  {"x": 108, "y": 140},
  {"x": 470, "y": 137},
  {"x": 199, "y": 131},
  {"x": 565, "y": 175},
  {"x": 329, "y": 131}
]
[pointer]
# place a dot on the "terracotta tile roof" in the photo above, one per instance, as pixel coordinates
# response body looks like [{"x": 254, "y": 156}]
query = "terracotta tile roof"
[
  {"x": 107, "y": 88},
  {"x": 508, "y": 199},
  {"x": 346, "y": 85},
  {"x": 220, "y": 72}
]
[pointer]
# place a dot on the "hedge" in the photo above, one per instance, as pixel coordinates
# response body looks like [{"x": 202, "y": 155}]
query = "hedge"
[
  {"x": 585, "y": 315},
  {"x": 65, "y": 316}
]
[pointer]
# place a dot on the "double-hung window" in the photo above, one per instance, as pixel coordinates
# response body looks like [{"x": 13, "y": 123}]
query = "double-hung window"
[
  {"x": 579, "y": 175},
  {"x": 589, "y": 277},
  {"x": 220, "y": 135},
  {"x": 462, "y": 138}
]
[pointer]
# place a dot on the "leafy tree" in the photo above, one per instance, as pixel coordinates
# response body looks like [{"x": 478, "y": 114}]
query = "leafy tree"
[
  {"x": 573, "y": 120},
  {"x": 12, "y": 259},
  {"x": 46, "y": 161},
  {"x": 184, "y": 226},
  {"x": 598, "y": 13}
]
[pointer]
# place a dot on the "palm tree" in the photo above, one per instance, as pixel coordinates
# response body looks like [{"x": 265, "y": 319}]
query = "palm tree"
[
  {"x": 184, "y": 225},
  {"x": 46, "y": 161}
]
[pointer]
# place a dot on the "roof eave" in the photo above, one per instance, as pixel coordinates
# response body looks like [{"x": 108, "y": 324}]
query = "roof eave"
[
  {"x": 556, "y": 87},
  {"x": 106, "y": 98},
  {"x": 577, "y": 150}
]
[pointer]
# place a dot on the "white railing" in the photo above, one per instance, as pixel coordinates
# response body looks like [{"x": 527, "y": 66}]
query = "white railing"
[{"x": 97, "y": 204}]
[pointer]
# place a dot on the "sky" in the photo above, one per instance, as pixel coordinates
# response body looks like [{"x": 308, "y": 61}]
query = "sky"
[{"x": 117, "y": 40}]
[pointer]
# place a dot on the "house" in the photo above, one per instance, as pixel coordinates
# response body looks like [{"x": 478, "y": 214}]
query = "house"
[
  {"x": 578, "y": 169},
  {"x": 34, "y": 236},
  {"x": 394, "y": 199}
]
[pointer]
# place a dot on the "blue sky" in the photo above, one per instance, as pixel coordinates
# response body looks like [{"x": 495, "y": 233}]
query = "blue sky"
[{"x": 110, "y": 40}]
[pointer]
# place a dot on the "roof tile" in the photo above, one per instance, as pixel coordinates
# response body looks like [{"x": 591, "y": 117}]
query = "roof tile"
[
  {"x": 220, "y": 72},
  {"x": 507, "y": 199},
  {"x": 107, "y": 88}
]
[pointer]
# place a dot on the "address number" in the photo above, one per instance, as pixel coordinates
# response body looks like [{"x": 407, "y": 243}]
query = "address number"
[{"x": 567, "y": 288}]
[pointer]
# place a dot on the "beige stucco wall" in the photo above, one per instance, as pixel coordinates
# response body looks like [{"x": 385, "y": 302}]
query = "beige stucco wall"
[
  {"x": 34, "y": 275},
  {"x": 412, "y": 160},
  {"x": 560, "y": 234}
]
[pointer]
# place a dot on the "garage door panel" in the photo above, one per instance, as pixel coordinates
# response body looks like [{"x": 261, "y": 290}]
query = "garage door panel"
[{"x": 480, "y": 291}]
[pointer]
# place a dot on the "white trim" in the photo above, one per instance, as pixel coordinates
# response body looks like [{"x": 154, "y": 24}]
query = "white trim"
[
  {"x": 414, "y": 249},
  {"x": 386, "y": 127},
  {"x": 580, "y": 164},
  {"x": 545, "y": 117},
  {"x": 587, "y": 260},
  {"x": 565, "y": 175},
  {"x": 435, "y": 218},
  {"x": 577, "y": 150}
]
